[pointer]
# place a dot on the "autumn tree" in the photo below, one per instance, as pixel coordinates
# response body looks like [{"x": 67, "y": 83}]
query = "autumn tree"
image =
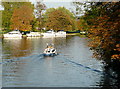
[
  {"x": 82, "y": 25},
  {"x": 8, "y": 11},
  {"x": 59, "y": 19},
  {"x": 22, "y": 18},
  {"x": 103, "y": 20}
]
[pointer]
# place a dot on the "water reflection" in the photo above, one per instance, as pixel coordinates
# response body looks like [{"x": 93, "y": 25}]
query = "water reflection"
[
  {"x": 111, "y": 77},
  {"x": 16, "y": 47}
]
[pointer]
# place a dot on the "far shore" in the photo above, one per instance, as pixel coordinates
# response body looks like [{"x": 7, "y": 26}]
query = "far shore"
[
  {"x": 68, "y": 34},
  {"x": 72, "y": 34}
]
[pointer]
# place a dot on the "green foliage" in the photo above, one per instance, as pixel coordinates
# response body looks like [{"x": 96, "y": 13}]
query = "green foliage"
[
  {"x": 35, "y": 24},
  {"x": 0, "y": 19},
  {"x": 82, "y": 25},
  {"x": 66, "y": 11},
  {"x": 46, "y": 14},
  {"x": 39, "y": 8},
  {"x": 8, "y": 11}
]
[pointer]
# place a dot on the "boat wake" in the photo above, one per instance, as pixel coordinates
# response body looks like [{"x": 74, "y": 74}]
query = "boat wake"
[
  {"x": 86, "y": 67},
  {"x": 36, "y": 56}
]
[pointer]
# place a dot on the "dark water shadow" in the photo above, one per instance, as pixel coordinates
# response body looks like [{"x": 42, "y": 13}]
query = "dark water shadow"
[{"x": 113, "y": 70}]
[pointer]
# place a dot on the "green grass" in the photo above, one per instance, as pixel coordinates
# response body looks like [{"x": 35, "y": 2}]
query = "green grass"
[
  {"x": 73, "y": 33},
  {"x": 77, "y": 34}
]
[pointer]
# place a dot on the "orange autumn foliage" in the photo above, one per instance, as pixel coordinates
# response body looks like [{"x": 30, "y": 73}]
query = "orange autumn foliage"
[
  {"x": 116, "y": 56},
  {"x": 104, "y": 35},
  {"x": 59, "y": 20},
  {"x": 21, "y": 18},
  {"x": 102, "y": 21}
]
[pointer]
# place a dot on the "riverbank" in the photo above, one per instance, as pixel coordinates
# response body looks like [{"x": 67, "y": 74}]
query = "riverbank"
[
  {"x": 72, "y": 34},
  {"x": 68, "y": 34},
  {"x": 1, "y": 35}
]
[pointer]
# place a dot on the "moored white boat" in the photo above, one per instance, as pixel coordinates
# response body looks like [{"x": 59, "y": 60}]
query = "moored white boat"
[
  {"x": 60, "y": 34},
  {"x": 13, "y": 34},
  {"x": 48, "y": 34},
  {"x": 51, "y": 33},
  {"x": 33, "y": 34}
]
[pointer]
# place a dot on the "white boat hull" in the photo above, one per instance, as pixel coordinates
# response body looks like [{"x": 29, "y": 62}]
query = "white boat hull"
[
  {"x": 54, "y": 34},
  {"x": 60, "y": 34},
  {"x": 12, "y": 36},
  {"x": 47, "y": 35},
  {"x": 50, "y": 54},
  {"x": 33, "y": 34}
]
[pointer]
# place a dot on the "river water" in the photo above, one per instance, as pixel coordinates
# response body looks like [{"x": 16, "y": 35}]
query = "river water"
[{"x": 23, "y": 64}]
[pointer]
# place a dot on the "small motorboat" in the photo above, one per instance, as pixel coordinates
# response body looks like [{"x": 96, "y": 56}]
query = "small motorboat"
[{"x": 50, "y": 51}]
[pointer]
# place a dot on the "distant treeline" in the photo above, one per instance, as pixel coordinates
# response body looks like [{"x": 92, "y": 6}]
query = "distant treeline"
[{"x": 24, "y": 16}]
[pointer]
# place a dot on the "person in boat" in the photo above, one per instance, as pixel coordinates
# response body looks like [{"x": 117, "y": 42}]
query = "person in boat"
[
  {"x": 50, "y": 49},
  {"x": 47, "y": 49}
]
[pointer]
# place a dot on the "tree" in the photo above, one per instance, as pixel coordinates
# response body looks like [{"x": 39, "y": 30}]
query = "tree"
[
  {"x": 81, "y": 8},
  {"x": 22, "y": 18},
  {"x": 103, "y": 20},
  {"x": 8, "y": 11},
  {"x": 39, "y": 8},
  {"x": 82, "y": 25},
  {"x": 59, "y": 19},
  {"x": 0, "y": 19},
  {"x": 66, "y": 11}
]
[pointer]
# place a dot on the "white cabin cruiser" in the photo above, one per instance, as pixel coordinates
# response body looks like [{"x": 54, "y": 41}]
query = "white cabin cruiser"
[
  {"x": 48, "y": 34},
  {"x": 13, "y": 34},
  {"x": 60, "y": 34},
  {"x": 33, "y": 34}
]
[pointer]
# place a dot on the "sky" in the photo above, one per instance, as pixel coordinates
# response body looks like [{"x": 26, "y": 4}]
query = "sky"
[
  {"x": 55, "y": 0},
  {"x": 67, "y": 5},
  {"x": 54, "y": 3}
]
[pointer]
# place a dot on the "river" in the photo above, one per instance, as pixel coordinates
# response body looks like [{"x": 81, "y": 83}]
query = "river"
[{"x": 24, "y": 65}]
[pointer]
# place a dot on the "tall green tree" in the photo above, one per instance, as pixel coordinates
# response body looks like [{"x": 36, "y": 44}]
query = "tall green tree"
[
  {"x": 0, "y": 19},
  {"x": 39, "y": 8}
]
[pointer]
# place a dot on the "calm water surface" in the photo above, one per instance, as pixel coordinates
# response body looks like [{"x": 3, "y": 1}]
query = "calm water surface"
[{"x": 24, "y": 64}]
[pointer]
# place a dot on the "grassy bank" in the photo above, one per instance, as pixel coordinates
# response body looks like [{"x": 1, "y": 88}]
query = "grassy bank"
[
  {"x": 76, "y": 34},
  {"x": 72, "y": 34}
]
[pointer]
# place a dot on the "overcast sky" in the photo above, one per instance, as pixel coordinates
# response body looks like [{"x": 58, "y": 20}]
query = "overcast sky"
[
  {"x": 56, "y": 3},
  {"x": 55, "y": 0}
]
